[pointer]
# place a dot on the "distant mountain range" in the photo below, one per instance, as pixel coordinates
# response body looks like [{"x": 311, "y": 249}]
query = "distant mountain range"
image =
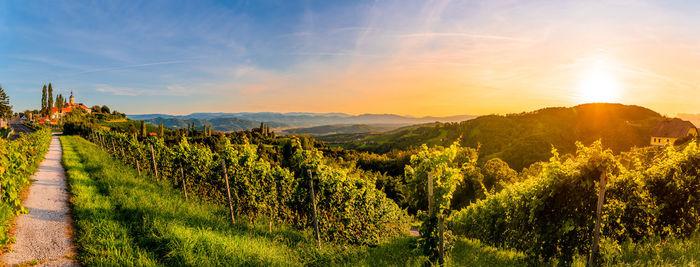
[
  {"x": 247, "y": 120},
  {"x": 218, "y": 124},
  {"x": 344, "y": 129}
]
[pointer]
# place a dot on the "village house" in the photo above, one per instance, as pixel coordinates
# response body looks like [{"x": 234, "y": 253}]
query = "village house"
[
  {"x": 670, "y": 130},
  {"x": 67, "y": 108}
]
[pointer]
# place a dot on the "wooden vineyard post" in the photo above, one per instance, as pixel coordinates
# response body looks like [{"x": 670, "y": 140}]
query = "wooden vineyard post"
[
  {"x": 138, "y": 166},
  {"x": 228, "y": 189},
  {"x": 114, "y": 149},
  {"x": 592, "y": 261},
  {"x": 153, "y": 156},
  {"x": 184, "y": 188},
  {"x": 441, "y": 248},
  {"x": 123, "y": 155},
  {"x": 313, "y": 201},
  {"x": 430, "y": 194}
]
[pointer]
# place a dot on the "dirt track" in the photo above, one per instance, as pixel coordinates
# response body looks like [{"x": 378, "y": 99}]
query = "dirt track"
[{"x": 42, "y": 235}]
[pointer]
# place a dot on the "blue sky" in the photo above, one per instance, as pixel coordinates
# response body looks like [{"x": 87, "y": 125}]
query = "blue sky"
[{"x": 405, "y": 57}]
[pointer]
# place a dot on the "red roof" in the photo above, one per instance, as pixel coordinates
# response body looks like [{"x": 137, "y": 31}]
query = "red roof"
[
  {"x": 63, "y": 110},
  {"x": 673, "y": 128},
  {"x": 152, "y": 134}
]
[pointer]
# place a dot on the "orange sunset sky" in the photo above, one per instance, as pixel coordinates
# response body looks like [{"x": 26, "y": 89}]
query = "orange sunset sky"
[{"x": 405, "y": 57}]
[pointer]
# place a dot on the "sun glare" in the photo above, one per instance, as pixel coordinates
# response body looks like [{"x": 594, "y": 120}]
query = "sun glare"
[{"x": 598, "y": 84}]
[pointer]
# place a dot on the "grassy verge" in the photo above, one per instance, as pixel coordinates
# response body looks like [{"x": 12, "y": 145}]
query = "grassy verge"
[
  {"x": 656, "y": 252},
  {"x": 122, "y": 219}
]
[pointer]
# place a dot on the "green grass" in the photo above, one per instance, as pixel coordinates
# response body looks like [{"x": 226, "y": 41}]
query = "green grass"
[
  {"x": 656, "y": 252},
  {"x": 121, "y": 219}
]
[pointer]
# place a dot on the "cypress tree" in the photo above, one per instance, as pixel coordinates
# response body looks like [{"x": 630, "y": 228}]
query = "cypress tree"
[
  {"x": 49, "y": 104},
  {"x": 160, "y": 127},
  {"x": 59, "y": 102},
  {"x": 43, "y": 100}
]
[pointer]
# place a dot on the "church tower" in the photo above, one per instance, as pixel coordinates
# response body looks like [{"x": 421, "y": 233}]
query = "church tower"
[{"x": 72, "y": 100}]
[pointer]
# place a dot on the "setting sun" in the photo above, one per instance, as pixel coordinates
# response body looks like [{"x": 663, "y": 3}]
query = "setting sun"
[{"x": 598, "y": 84}]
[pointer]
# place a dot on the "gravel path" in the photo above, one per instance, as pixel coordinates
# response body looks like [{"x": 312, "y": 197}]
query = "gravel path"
[{"x": 43, "y": 235}]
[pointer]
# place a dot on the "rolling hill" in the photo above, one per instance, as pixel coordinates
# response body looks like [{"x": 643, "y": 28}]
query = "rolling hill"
[
  {"x": 298, "y": 119},
  {"x": 525, "y": 138}
]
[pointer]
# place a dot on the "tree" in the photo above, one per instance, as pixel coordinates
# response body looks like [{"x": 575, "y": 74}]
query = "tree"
[
  {"x": 96, "y": 108},
  {"x": 497, "y": 175},
  {"x": 49, "y": 103},
  {"x": 5, "y": 108},
  {"x": 43, "y": 100},
  {"x": 105, "y": 109},
  {"x": 28, "y": 114},
  {"x": 161, "y": 129},
  {"x": 59, "y": 102}
]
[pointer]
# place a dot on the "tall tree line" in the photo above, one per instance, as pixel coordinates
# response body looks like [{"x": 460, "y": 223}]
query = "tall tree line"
[
  {"x": 43, "y": 101},
  {"x": 48, "y": 102},
  {"x": 5, "y": 108}
]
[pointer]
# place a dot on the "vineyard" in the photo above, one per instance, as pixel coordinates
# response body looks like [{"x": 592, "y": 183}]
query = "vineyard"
[
  {"x": 551, "y": 215},
  {"x": 547, "y": 212},
  {"x": 350, "y": 210},
  {"x": 18, "y": 161}
]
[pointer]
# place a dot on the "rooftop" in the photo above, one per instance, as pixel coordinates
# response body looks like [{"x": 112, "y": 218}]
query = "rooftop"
[{"x": 672, "y": 128}]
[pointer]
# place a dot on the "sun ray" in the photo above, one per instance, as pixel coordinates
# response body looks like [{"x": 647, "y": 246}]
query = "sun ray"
[{"x": 598, "y": 83}]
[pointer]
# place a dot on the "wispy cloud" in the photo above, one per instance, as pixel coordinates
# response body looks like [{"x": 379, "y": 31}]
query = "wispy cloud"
[
  {"x": 133, "y": 66},
  {"x": 462, "y": 35},
  {"x": 170, "y": 90}
]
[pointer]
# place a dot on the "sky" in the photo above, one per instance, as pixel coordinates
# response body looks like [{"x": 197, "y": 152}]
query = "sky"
[{"x": 404, "y": 57}]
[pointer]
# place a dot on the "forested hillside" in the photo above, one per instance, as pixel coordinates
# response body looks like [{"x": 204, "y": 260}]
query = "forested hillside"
[{"x": 524, "y": 138}]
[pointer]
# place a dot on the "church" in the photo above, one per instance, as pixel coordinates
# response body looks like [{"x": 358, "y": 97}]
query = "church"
[{"x": 57, "y": 113}]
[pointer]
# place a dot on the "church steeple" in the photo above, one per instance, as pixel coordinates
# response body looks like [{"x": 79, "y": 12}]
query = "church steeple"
[{"x": 72, "y": 100}]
